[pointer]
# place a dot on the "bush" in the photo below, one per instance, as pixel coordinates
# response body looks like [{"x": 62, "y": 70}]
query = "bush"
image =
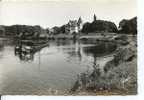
[{"x": 120, "y": 75}]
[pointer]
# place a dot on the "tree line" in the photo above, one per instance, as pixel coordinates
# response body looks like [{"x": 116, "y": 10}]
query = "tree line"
[{"x": 125, "y": 26}]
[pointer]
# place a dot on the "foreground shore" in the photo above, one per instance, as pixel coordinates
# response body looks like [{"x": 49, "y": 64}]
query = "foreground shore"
[{"x": 119, "y": 75}]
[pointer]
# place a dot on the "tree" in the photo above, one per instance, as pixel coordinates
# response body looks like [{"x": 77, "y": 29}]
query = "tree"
[
  {"x": 99, "y": 26},
  {"x": 128, "y": 26},
  {"x": 56, "y": 30},
  {"x": 25, "y": 31},
  {"x": 86, "y": 28},
  {"x": 62, "y": 29}
]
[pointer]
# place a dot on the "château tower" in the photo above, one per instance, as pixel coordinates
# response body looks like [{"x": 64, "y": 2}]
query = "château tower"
[
  {"x": 95, "y": 18},
  {"x": 79, "y": 24}
]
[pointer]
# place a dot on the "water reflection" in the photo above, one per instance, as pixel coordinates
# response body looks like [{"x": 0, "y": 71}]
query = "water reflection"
[
  {"x": 99, "y": 50},
  {"x": 24, "y": 56},
  {"x": 53, "y": 66},
  {"x": 24, "y": 52},
  {"x": 74, "y": 49},
  {"x": 1, "y": 46}
]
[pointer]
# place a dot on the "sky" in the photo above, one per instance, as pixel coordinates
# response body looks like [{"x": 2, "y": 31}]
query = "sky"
[{"x": 49, "y": 13}]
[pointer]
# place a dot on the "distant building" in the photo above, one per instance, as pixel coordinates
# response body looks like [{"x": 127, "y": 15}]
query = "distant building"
[
  {"x": 51, "y": 31},
  {"x": 43, "y": 34},
  {"x": 73, "y": 26}
]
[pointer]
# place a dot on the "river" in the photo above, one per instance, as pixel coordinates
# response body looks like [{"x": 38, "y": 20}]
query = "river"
[{"x": 55, "y": 66}]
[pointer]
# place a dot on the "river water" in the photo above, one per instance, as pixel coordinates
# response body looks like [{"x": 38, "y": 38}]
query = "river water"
[{"x": 55, "y": 66}]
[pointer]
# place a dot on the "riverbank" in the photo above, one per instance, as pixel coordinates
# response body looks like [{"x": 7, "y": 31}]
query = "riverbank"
[{"x": 119, "y": 76}]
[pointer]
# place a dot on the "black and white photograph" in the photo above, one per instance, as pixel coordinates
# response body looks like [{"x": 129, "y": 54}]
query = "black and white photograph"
[{"x": 68, "y": 47}]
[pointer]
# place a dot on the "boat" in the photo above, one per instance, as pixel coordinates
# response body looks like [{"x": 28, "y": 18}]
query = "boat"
[{"x": 30, "y": 46}]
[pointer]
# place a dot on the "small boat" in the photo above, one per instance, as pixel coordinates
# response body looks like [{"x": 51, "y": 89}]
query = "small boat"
[
  {"x": 30, "y": 46},
  {"x": 23, "y": 49}
]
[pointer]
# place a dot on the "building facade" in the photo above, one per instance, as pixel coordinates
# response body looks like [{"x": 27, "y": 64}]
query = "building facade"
[{"x": 74, "y": 26}]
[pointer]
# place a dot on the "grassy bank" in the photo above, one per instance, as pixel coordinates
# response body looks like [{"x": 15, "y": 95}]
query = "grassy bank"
[{"x": 119, "y": 76}]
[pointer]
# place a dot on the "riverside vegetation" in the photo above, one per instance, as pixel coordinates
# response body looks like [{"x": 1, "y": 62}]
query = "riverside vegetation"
[{"x": 119, "y": 75}]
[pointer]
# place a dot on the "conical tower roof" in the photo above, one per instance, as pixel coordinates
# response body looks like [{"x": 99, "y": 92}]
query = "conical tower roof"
[{"x": 79, "y": 20}]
